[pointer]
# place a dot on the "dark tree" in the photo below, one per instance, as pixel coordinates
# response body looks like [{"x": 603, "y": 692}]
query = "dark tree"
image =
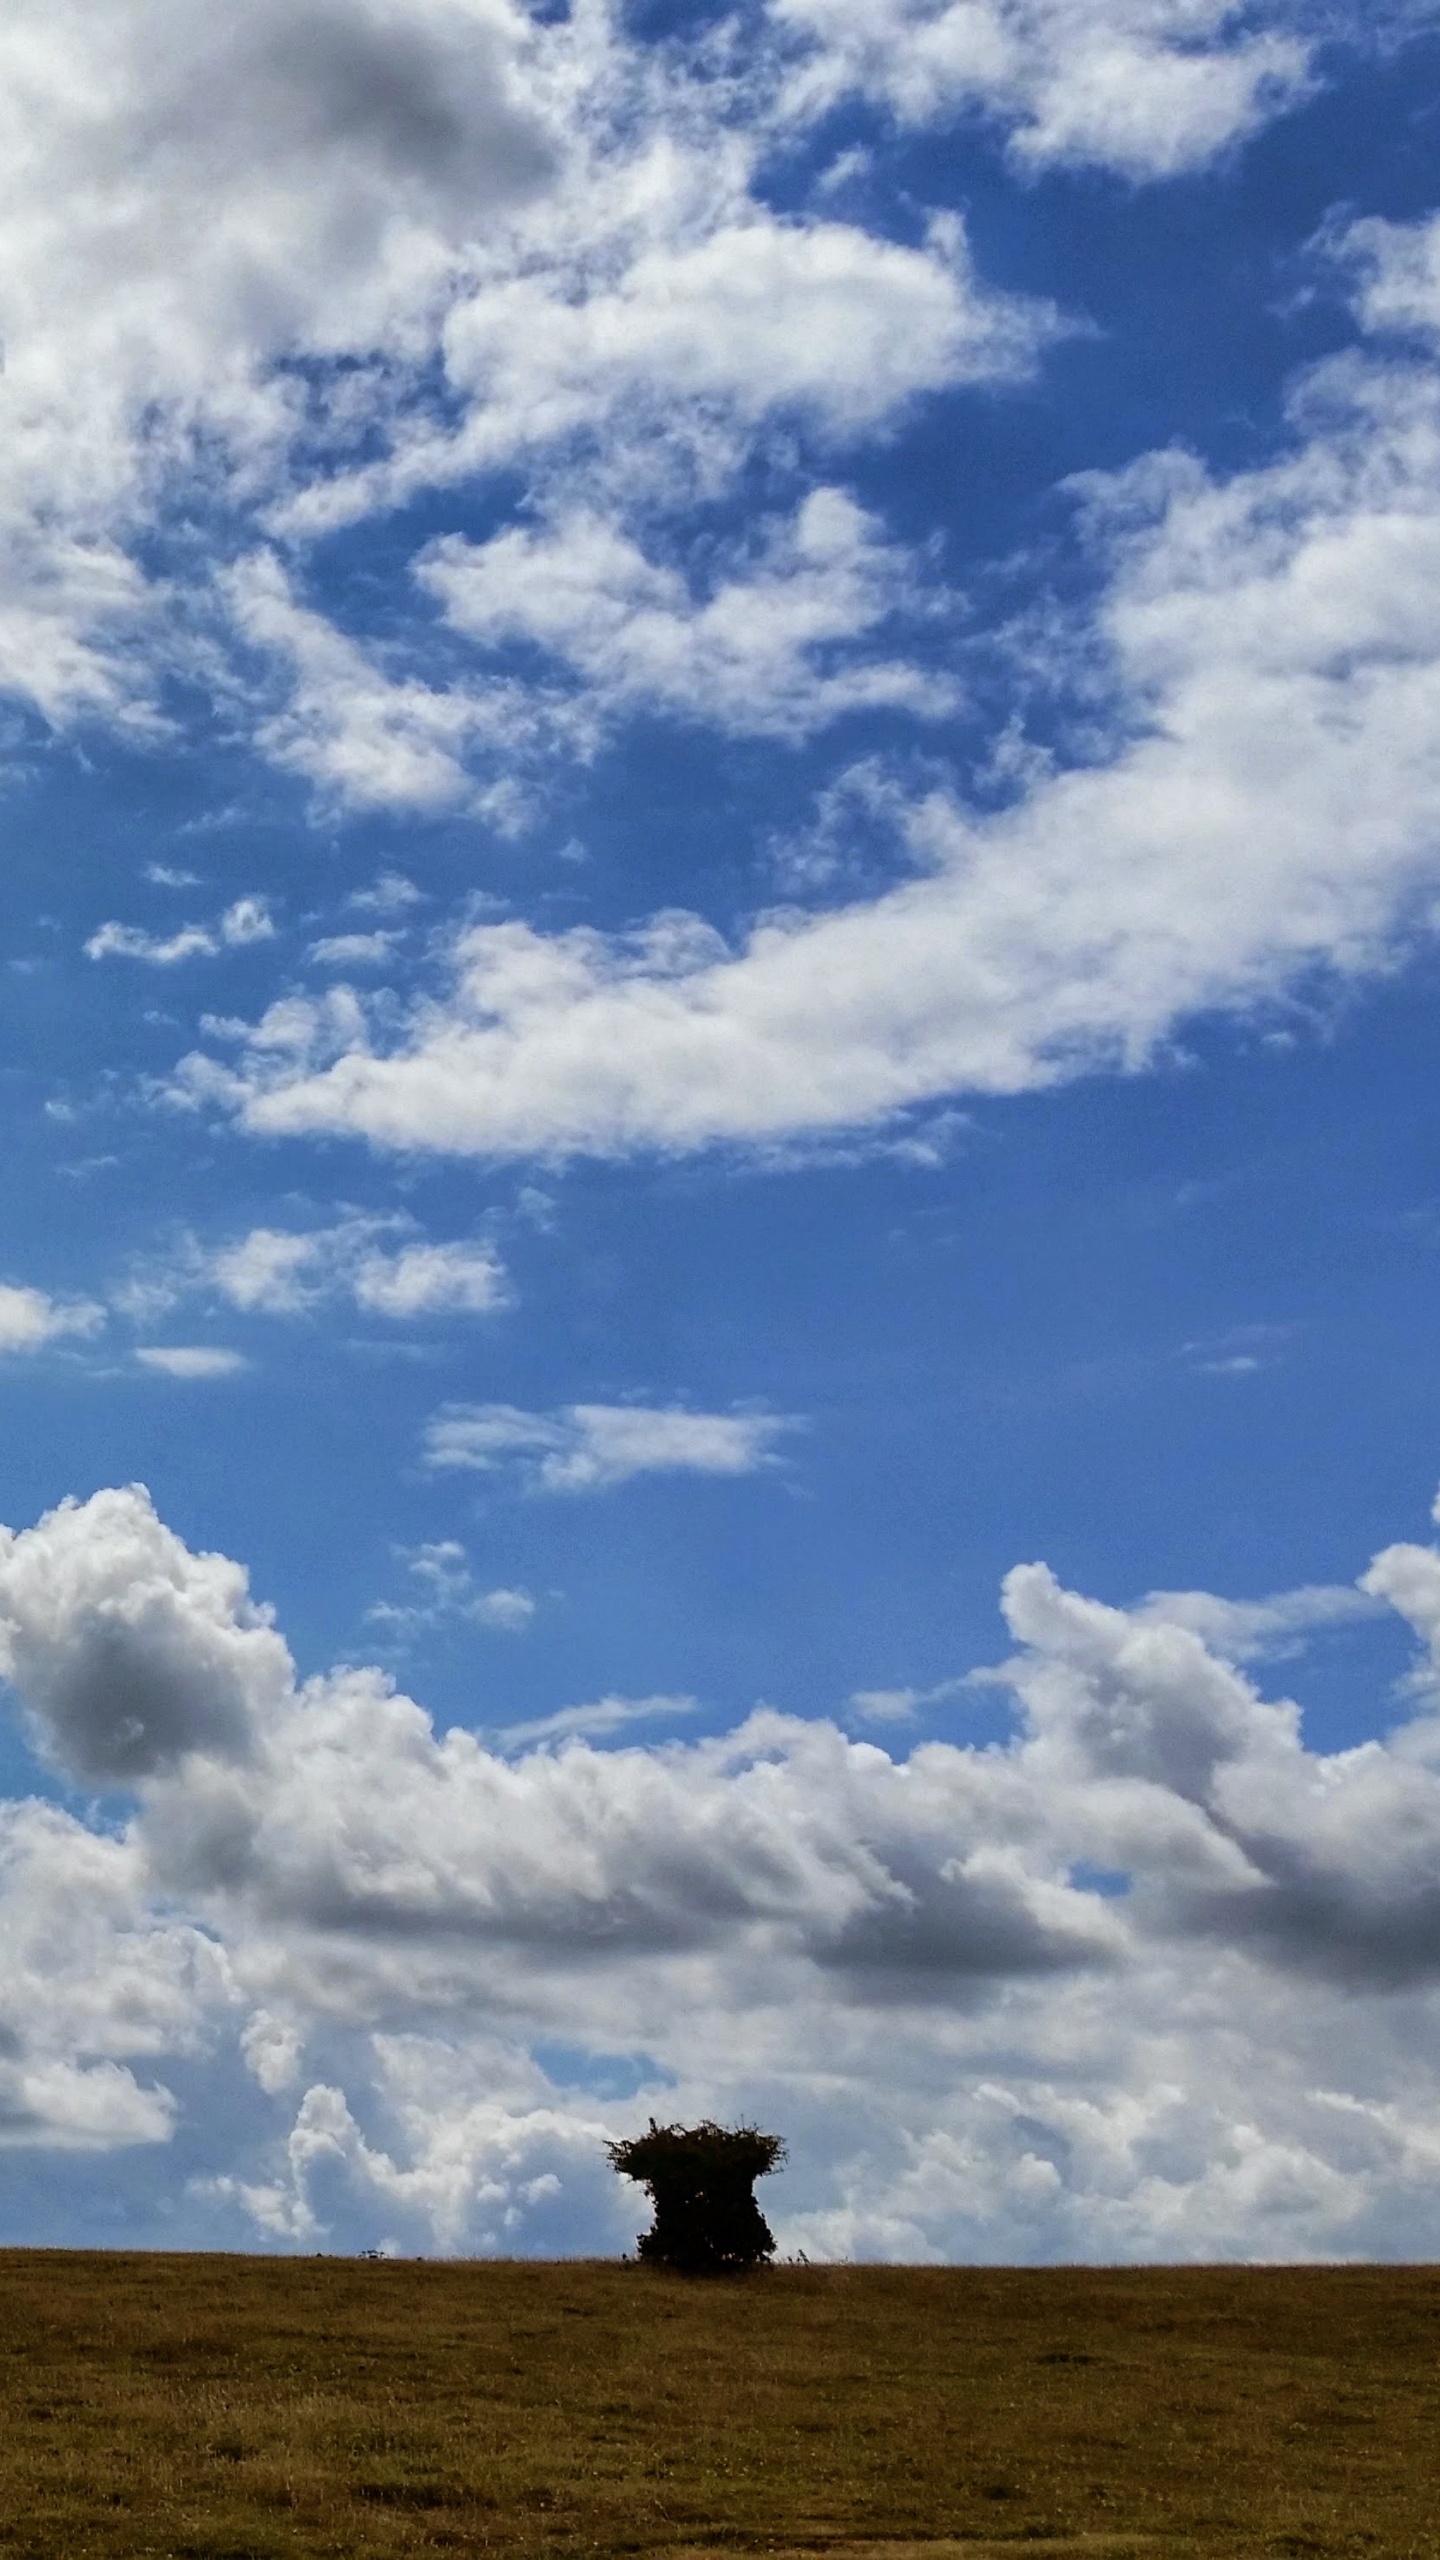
[{"x": 700, "y": 2179}]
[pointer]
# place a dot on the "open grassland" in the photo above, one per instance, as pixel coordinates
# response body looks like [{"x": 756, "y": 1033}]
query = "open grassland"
[{"x": 242, "y": 2408}]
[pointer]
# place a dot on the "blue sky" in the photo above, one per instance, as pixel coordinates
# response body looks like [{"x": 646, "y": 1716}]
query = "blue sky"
[{"x": 723, "y": 825}]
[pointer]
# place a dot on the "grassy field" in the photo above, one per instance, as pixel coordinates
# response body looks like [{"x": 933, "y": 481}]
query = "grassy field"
[{"x": 240, "y": 2408}]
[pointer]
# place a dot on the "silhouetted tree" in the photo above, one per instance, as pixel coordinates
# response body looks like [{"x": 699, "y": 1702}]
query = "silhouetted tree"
[{"x": 700, "y": 2179}]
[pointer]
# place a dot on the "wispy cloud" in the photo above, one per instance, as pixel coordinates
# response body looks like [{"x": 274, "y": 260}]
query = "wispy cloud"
[
  {"x": 1146, "y": 92},
  {"x": 380, "y": 1264},
  {"x": 587, "y": 1448},
  {"x": 31, "y": 1318},
  {"x": 191, "y": 1362},
  {"x": 594, "y": 1723},
  {"x": 1260, "y": 1630},
  {"x": 248, "y": 920},
  {"x": 449, "y": 1594},
  {"x": 901, "y": 1706},
  {"x": 769, "y": 649},
  {"x": 1256, "y": 803},
  {"x": 353, "y": 950}
]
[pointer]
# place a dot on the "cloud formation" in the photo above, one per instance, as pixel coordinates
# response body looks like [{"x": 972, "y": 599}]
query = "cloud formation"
[
  {"x": 382, "y": 1264},
  {"x": 128, "y": 1651},
  {"x": 1268, "y": 806},
  {"x": 586, "y": 1448},
  {"x": 764, "y": 652},
  {"x": 1170, "y": 2061},
  {"x": 30, "y": 1319},
  {"x": 302, "y": 263},
  {"x": 449, "y": 1595},
  {"x": 247, "y": 920},
  {"x": 603, "y": 1716},
  {"x": 1149, "y": 88},
  {"x": 192, "y": 1361}
]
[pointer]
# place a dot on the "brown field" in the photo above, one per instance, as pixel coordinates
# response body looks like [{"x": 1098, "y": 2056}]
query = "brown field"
[{"x": 244, "y": 2408}]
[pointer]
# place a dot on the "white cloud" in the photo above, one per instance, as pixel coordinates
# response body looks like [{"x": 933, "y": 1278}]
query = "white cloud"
[
  {"x": 248, "y": 920},
  {"x": 479, "y": 2161},
  {"x": 365, "y": 738},
  {"x": 378, "y": 1263},
  {"x": 1259, "y": 1630},
  {"x": 1270, "y": 806},
  {"x": 449, "y": 1593},
  {"x": 1145, "y": 87},
  {"x": 586, "y": 1448},
  {"x": 270, "y": 1268},
  {"x": 95, "y": 1981},
  {"x": 431, "y": 1279},
  {"x": 187, "y": 200},
  {"x": 273, "y": 2049},
  {"x": 897, "y": 1960},
  {"x": 439, "y": 234},
  {"x": 900, "y": 1706},
  {"x": 389, "y": 894},
  {"x": 713, "y": 316},
  {"x": 162, "y": 951},
  {"x": 126, "y": 1648},
  {"x": 1396, "y": 270},
  {"x": 278, "y": 269},
  {"x": 508, "y": 1607},
  {"x": 30, "y": 1319},
  {"x": 604, "y": 1716},
  {"x": 758, "y": 653},
  {"x": 783, "y": 643},
  {"x": 191, "y": 1361},
  {"x": 354, "y": 950}
]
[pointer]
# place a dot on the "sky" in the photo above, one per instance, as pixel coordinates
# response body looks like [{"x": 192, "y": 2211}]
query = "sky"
[{"x": 720, "y": 746}]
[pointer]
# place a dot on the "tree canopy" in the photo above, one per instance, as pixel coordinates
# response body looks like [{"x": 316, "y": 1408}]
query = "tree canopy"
[{"x": 700, "y": 2180}]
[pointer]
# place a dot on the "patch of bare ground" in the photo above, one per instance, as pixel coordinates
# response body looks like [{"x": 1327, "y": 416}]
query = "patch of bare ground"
[{"x": 181, "y": 2408}]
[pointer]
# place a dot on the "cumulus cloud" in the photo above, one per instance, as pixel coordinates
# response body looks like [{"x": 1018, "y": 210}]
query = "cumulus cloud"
[
  {"x": 30, "y": 1319},
  {"x": 301, "y": 262},
  {"x": 1269, "y": 806},
  {"x": 449, "y": 1594},
  {"x": 431, "y": 1279},
  {"x": 714, "y": 316},
  {"x": 1145, "y": 87},
  {"x": 187, "y": 202},
  {"x": 586, "y": 1448},
  {"x": 1396, "y": 270},
  {"x": 191, "y": 1361},
  {"x": 354, "y": 950},
  {"x": 477, "y": 2167},
  {"x": 758, "y": 653},
  {"x": 383, "y": 1265},
  {"x": 127, "y": 1649},
  {"x": 974, "y": 2045},
  {"x": 389, "y": 894},
  {"x": 247, "y": 920},
  {"x": 96, "y": 1981},
  {"x": 783, "y": 644}
]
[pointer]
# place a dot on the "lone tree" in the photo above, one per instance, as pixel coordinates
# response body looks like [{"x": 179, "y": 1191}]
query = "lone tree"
[{"x": 700, "y": 2179}]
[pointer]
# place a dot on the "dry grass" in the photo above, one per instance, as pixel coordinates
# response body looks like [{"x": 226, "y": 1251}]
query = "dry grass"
[{"x": 242, "y": 2409}]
